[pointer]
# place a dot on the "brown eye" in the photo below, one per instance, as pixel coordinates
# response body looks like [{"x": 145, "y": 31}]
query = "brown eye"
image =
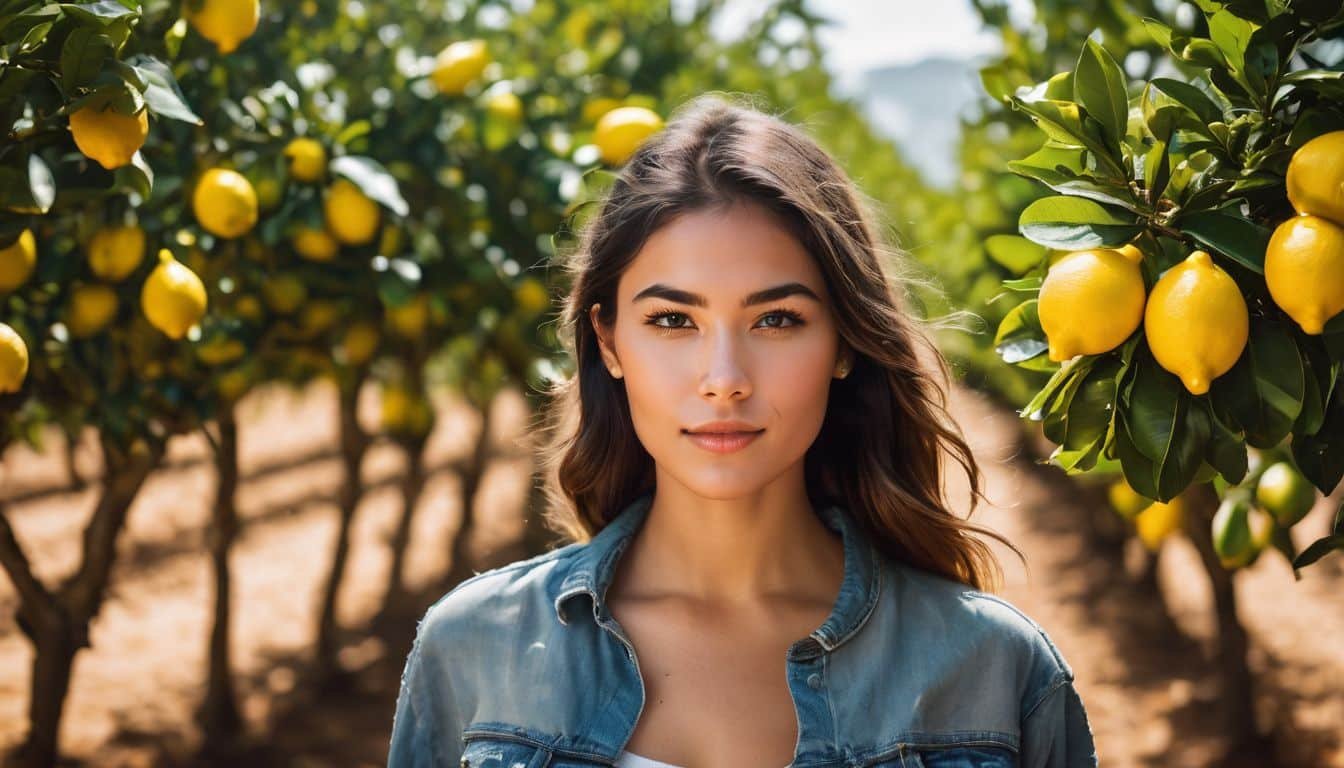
[
  {"x": 793, "y": 317},
  {"x": 655, "y": 317}
]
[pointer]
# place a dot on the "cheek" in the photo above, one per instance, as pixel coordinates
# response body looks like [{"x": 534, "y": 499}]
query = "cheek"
[{"x": 796, "y": 388}]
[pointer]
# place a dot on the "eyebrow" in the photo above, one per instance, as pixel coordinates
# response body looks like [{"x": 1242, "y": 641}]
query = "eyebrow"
[{"x": 658, "y": 290}]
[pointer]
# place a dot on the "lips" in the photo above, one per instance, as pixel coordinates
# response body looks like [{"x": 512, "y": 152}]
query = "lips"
[{"x": 724, "y": 442}]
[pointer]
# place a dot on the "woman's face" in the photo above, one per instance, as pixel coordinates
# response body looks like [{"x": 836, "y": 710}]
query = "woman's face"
[{"x": 723, "y": 315}]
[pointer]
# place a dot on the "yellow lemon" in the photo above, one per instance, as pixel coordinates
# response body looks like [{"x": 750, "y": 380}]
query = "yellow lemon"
[
  {"x": 1158, "y": 521},
  {"x": 319, "y": 315},
  {"x": 248, "y": 308},
  {"x": 458, "y": 65},
  {"x": 1304, "y": 270},
  {"x": 594, "y": 110},
  {"x": 173, "y": 297},
  {"x": 234, "y": 383},
  {"x": 220, "y": 350},
  {"x": 1091, "y": 301},
  {"x": 225, "y": 203},
  {"x": 1125, "y": 500},
  {"x": 17, "y": 261},
  {"x": 409, "y": 319},
  {"x": 269, "y": 192},
  {"x": 226, "y": 23},
  {"x": 108, "y": 136},
  {"x": 531, "y": 296},
  {"x": 13, "y": 360},
  {"x": 620, "y": 132},
  {"x": 315, "y": 244},
  {"x": 1316, "y": 177},
  {"x": 360, "y": 343},
  {"x": 307, "y": 159},
  {"x": 390, "y": 243},
  {"x": 405, "y": 412},
  {"x": 284, "y": 293},
  {"x": 351, "y": 216},
  {"x": 115, "y": 252},
  {"x": 396, "y": 406},
  {"x": 505, "y": 105},
  {"x": 92, "y": 307},
  {"x": 1196, "y": 321}
]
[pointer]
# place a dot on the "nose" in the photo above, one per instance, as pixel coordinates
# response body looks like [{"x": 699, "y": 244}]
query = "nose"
[{"x": 724, "y": 376}]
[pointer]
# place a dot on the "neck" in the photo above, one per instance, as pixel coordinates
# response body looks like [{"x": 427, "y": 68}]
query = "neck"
[{"x": 767, "y": 546}]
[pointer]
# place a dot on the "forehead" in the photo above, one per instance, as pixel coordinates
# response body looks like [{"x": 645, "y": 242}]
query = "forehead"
[{"x": 723, "y": 254}]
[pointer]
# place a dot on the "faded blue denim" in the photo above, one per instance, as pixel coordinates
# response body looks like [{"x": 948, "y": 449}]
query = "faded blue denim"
[{"x": 523, "y": 666}]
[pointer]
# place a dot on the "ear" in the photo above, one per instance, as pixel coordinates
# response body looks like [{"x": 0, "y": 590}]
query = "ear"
[{"x": 604, "y": 345}]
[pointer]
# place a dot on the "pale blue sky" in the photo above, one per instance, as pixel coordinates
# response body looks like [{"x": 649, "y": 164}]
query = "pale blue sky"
[{"x": 871, "y": 33}]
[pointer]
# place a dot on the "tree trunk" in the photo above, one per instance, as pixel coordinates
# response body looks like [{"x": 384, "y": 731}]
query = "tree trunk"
[
  {"x": 218, "y": 714},
  {"x": 460, "y": 568},
  {"x": 412, "y": 485},
  {"x": 353, "y": 444},
  {"x": 57, "y": 622},
  {"x": 1248, "y": 746}
]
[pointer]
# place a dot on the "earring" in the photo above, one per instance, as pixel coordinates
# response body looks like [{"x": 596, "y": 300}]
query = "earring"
[{"x": 842, "y": 370}]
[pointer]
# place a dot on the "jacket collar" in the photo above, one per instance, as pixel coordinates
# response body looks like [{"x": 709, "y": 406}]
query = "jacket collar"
[{"x": 592, "y": 567}]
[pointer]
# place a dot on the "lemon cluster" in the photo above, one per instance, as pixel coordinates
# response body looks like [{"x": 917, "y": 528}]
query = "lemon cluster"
[
  {"x": 1304, "y": 264},
  {"x": 1195, "y": 319}
]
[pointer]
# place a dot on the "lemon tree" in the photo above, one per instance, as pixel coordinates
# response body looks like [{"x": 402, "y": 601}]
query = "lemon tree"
[
  {"x": 1235, "y": 364},
  {"x": 1239, "y": 273}
]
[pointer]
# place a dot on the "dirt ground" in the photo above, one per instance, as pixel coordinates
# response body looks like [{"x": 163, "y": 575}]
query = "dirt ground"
[{"x": 1146, "y": 682}]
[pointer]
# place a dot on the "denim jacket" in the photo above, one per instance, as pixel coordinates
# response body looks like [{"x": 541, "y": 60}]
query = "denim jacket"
[{"x": 523, "y": 666}]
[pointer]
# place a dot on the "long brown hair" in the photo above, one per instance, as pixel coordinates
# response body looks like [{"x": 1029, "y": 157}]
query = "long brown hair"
[{"x": 882, "y": 445}]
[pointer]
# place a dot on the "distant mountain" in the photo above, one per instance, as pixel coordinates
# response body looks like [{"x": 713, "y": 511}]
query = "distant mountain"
[{"x": 918, "y": 105}]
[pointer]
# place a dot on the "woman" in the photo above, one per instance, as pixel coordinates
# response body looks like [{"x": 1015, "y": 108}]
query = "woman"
[{"x": 764, "y": 570}]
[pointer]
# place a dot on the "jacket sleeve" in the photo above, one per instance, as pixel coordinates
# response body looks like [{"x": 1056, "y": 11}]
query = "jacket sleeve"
[
  {"x": 424, "y": 705},
  {"x": 1056, "y": 733}
]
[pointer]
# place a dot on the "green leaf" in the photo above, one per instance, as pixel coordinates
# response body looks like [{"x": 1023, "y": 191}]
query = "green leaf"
[
  {"x": 1089, "y": 412},
  {"x": 136, "y": 177},
  {"x": 1015, "y": 253},
  {"x": 99, "y": 12},
  {"x": 372, "y": 179},
  {"x": 1154, "y": 408},
  {"x": 1229, "y": 234},
  {"x": 1063, "y": 170},
  {"x": 1185, "y": 449},
  {"x": 82, "y": 56},
  {"x": 1276, "y": 368},
  {"x": 1320, "y": 456},
  {"x": 1161, "y": 33},
  {"x": 1020, "y": 336},
  {"x": 1072, "y": 223},
  {"x": 1318, "y": 549},
  {"x": 1099, "y": 85},
  {"x": 1076, "y": 366},
  {"x": 1001, "y": 81},
  {"x": 1190, "y": 97},
  {"x": 1156, "y": 170},
  {"x": 353, "y": 131},
  {"x": 162, "y": 93},
  {"x": 1137, "y": 468},
  {"x": 1226, "y": 450},
  {"x": 1063, "y": 123}
]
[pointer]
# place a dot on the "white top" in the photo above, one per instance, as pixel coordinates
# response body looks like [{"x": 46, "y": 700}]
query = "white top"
[{"x": 631, "y": 760}]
